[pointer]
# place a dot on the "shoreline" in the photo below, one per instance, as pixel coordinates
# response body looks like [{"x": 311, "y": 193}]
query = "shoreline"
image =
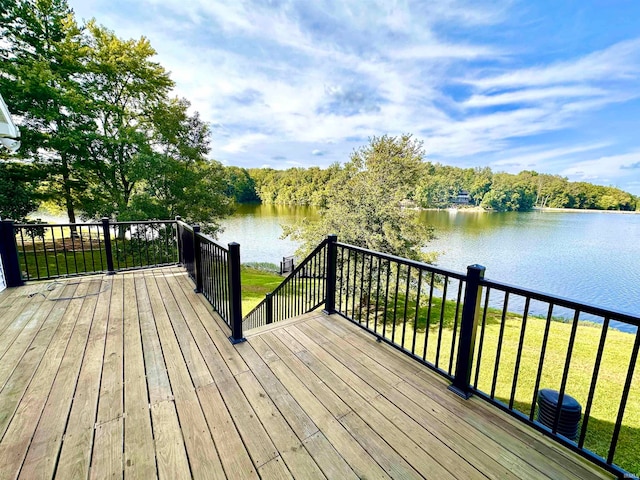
[
  {"x": 585, "y": 210},
  {"x": 534, "y": 209}
]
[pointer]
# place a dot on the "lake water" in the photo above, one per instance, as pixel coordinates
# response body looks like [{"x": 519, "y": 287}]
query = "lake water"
[{"x": 585, "y": 256}]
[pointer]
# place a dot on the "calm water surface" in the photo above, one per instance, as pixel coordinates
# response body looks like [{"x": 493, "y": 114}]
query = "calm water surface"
[{"x": 589, "y": 257}]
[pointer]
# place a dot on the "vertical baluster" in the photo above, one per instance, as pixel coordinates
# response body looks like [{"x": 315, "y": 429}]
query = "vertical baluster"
[
  {"x": 406, "y": 303},
  {"x": 594, "y": 382},
  {"x": 503, "y": 321},
  {"x": 443, "y": 308},
  {"x": 427, "y": 322},
  {"x": 543, "y": 350},
  {"x": 395, "y": 304},
  {"x": 481, "y": 343},
  {"x": 361, "y": 289},
  {"x": 55, "y": 250},
  {"x": 368, "y": 297},
  {"x": 623, "y": 401},
  {"x": 355, "y": 280},
  {"x": 93, "y": 260},
  {"x": 375, "y": 320},
  {"x": 416, "y": 318},
  {"x": 516, "y": 369},
  {"x": 341, "y": 280},
  {"x": 567, "y": 365},
  {"x": 64, "y": 251},
  {"x": 24, "y": 255},
  {"x": 35, "y": 255},
  {"x": 455, "y": 327},
  {"x": 44, "y": 251},
  {"x": 386, "y": 300}
]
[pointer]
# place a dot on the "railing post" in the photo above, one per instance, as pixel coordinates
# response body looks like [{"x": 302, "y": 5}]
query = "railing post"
[
  {"x": 269, "y": 308},
  {"x": 9, "y": 254},
  {"x": 235, "y": 296},
  {"x": 197, "y": 259},
  {"x": 332, "y": 255},
  {"x": 469, "y": 326},
  {"x": 107, "y": 245},
  {"x": 179, "y": 239}
]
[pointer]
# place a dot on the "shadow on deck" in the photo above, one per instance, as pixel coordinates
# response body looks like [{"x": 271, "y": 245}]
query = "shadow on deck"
[{"x": 132, "y": 375}]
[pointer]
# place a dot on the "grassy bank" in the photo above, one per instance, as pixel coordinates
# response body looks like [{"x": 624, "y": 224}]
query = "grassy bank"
[
  {"x": 611, "y": 377},
  {"x": 255, "y": 285}
]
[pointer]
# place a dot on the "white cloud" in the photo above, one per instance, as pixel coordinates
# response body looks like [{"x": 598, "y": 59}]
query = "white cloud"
[
  {"x": 279, "y": 79},
  {"x": 619, "y": 61},
  {"x": 532, "y": 96},
  {"x": 609, "y": 168},
  {"x": 243, "y": 142}
]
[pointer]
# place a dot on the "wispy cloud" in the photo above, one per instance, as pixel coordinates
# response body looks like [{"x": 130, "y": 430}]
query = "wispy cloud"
[
  {"x": 476, "y": 80},
  {"x": 610, "y": 168}
]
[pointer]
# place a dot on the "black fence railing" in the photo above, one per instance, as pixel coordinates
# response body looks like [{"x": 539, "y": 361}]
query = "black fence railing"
[
  {"x": 507, "y": 345},
  {"x": 46, "y": 251},
  {"x": 286, "y": 265},
  {"x": 412, "y": 305},
  {"x": 215, "y": 270},
  {"x": 530, "y": 342},
  {"x": 303, "y": 291},
  {"x": 546, "y": 360},
  {"x": 186, "y": 245}
]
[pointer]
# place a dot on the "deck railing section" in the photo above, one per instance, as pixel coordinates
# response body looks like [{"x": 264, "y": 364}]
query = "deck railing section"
[
  {"x": 411, "y": 305},
  {"x": 186, "y": 248},
  {"x": 302, "y": 291},
  {"x": 215, "y": 270},
  {"x": 504, "y": 344},
  {"x": 529, "y": 341},
  {"x": 46, "y": 251}
]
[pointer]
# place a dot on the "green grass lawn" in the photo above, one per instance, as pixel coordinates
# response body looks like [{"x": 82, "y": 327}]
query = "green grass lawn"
[
  {"x": 611, "y": 377},
  {"x": 255, "y": 285},
  {"x": 38, "y": 262}
]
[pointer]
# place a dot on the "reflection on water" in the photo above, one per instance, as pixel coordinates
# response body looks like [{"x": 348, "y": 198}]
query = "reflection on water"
[
  {"x": 590, "y": 257},
  {"x": 258, "y": 228}
]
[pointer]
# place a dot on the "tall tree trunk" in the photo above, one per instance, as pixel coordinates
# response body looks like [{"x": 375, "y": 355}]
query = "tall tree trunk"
[{"x": 68, "y": 199}]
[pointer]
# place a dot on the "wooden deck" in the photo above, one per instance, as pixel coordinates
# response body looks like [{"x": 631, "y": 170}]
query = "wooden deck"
[{"x": 132, "y": 376}]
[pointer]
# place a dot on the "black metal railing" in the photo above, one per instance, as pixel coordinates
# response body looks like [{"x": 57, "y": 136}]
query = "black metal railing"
[
  {"x": 411, "y": 305},
  {"x": 186, "y": 245},
  {"x": 215, "y": 270},
  {"x": 47, "y": 251},
  {"x": 303, "y": 291},
  {"x": 529, "y": 341},
  {"x": 503, "y": 343}
]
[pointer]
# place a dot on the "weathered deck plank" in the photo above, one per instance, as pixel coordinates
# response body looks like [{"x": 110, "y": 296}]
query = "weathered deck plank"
[{"x": 137, "y": 379}]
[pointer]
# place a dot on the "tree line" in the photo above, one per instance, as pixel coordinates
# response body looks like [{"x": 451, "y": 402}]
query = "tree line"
[{"x": 438, "y": 186}]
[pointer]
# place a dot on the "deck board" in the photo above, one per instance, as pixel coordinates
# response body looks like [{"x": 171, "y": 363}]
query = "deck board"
[{"x": 133, "y": 376}]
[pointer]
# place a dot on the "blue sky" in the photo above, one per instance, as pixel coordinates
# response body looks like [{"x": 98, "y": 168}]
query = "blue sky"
[{"x": 551, "y": 86}]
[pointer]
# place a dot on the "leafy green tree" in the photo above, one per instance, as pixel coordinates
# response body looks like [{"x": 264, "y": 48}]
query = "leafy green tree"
[
  {"x": 241, "y": 186},
  {"x": 363, "y": 205},
  {"x": 41, "y": 60},
  {"x": 125, "y": 88},
  {"x": 480, "y": 183},
  {"x": 510, "y": 193},
  {"x": 178, "y": 178},
  {"x": 18, "y": 189}
]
